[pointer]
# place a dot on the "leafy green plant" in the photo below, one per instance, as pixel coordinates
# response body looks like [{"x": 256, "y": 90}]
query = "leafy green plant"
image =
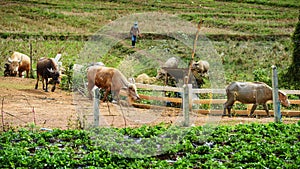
[
  {"x": 262, "y": 75},
  {"x": 243, "y": 145}
]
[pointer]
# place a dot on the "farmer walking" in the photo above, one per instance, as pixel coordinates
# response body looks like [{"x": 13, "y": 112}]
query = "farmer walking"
[{"x": 134, "y": 32}]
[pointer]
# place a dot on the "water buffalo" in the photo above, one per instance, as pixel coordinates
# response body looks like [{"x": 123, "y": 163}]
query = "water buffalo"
[
  {"x": 91, "y": 74},
  {"x": 47, "y": 68},
  {"x": 144, "y": 78},
  {"x": 257, "y": 93},
  {"x": 201, "y": 66},
  {"x": 19, "y": 62},
  {"x": 170, "y": 63},
  {"x": 96, "y": 64},
  {"x": 7, "y": 72},
  {"x": 113, "y": 80}
]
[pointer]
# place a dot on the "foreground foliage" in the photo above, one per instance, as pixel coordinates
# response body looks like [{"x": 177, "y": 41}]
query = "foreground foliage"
[
  {"x": 253, "y": 145},
  {"x": 293, "y": 74}
]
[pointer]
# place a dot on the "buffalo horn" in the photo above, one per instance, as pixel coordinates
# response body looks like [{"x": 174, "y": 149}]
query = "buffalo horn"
[{"x": 50, "y": 70}]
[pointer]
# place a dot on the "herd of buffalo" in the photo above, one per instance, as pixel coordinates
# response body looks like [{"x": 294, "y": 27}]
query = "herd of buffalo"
[
  {"x": 112, "y": 80},
  {"x": 46, "y": 68}
]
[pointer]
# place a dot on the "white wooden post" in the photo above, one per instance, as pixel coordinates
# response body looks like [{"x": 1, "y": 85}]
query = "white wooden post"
[
  {"x": 185, "y": 101},
  {"x": 96, "y": 107},
  {"x": 276, "y": 102},
  {"x": 190, "y": 90}
]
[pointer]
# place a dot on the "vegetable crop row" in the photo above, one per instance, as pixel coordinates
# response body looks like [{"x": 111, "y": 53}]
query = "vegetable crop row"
[{"x": 251, "y": 145}]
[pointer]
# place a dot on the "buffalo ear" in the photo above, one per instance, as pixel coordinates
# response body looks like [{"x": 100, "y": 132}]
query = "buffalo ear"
[
  {"x": 124, "y": 88},
  {"x": 20, "y": 59},
  {"x": 50, "y": 70},
  {"x": 131, "y": 80}
]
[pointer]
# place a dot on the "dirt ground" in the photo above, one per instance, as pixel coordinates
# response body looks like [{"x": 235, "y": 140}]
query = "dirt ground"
[{"x": 22, "y": 105}]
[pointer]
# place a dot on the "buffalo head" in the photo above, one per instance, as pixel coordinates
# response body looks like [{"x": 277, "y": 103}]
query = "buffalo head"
[
  {"x": 283, "y": 99},
  {"x": 54, "y": 75},
  {"x": 132, "y": 92},
  {"x": 14, "y": 66}
]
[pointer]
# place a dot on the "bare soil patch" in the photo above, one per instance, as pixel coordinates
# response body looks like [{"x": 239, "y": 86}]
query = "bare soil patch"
[{"x": 23, "y": 105}]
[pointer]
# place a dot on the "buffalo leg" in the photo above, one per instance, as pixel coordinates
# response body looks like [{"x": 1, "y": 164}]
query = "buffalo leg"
[
  {"x": 229, "y": 110},
  {"x": 90, "y": 87},
  {"x": 20, "y": 74},
  {"x": 43, "y": 83},
  {"x": 46, "y": 89},
  {"x": 115, "y": 96},
  {"x": 37, "y": 82},
  {"x": 53, "y": 88},
  {"x": 27, "y": 73},
  {"x": 253, "y": 109},
  {"x": 105, "y": 94},
  {"x": 228, "y": 105},
  {"x": 224, "y": 112},
  {"x": 267, "y": 110}
]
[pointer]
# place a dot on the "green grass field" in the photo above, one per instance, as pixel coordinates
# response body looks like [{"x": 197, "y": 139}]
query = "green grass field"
[
  {"x": 249, "y": 36},
  {"x": 85, "y": 17}
]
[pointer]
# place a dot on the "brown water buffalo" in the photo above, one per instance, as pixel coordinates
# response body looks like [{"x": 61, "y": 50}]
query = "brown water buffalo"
[
  {"x": 113, "y": 80},
  {"x": 19, "y": 62},
  {"x": 47, "y": 68},
  {"x": 257, "y": 93},
  {"x": 91, "y": 74}
]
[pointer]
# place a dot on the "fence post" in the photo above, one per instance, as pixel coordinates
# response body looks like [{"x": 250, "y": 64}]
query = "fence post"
[
  {"x": 2, "y": 115},
  {"x": 276, "y": 102},
  {"x": 190, "y": 90},
  {"x": 96, "y": 107},
  {"x": 185, "y": 101},
  {"x": 30, "y": 55}
]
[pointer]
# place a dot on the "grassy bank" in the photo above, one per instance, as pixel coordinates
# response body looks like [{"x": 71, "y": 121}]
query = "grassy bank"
[{"x": 81, "y": 17}]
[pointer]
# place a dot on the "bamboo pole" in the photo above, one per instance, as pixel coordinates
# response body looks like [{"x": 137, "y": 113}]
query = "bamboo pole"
[{"x": 194, "y": 48}]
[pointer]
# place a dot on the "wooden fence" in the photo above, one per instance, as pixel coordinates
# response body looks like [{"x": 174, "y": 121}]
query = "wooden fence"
[{"x": 284, "y": 112}]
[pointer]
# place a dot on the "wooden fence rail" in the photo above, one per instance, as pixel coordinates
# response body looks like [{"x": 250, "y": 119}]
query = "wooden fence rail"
[
  {"x": 212, "y": 101},
  {"x": 178, "y": 89}
]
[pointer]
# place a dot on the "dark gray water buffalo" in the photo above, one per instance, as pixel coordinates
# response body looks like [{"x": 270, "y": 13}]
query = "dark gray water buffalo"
[
  {"x": 47, "y": 68},
  {"x": 19, "y": 63},
  {"x": 7, "y": 72},
  {"x": 170, "y": 63},
  {"x": 112, "y": 79},
  {"x": 257, "y": 93}
]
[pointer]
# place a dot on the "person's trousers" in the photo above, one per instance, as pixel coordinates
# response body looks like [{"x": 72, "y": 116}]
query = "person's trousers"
[{"x": 133, "y": 40}]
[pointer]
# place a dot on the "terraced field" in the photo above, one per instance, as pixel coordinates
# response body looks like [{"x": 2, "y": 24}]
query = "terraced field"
[{"x": 249, "y": 35}]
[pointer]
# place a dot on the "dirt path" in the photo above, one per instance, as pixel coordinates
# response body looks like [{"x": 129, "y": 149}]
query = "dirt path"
[{"x": 23, "y": 105}]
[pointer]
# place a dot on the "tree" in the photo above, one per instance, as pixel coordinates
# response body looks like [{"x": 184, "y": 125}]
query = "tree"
[{"x": 293, "y": 75}]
